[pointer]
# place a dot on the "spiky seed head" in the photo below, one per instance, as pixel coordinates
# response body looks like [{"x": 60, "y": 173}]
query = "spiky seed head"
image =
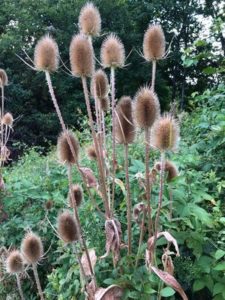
[
  {"x": 32, "y": 248},
  {"x": 104, "y": 104},
  {"x": 14, "y": 262},
  {"x": 63, "y": 148},
  {"x": 112, "y": 52},
  {"x": 49, "y": 204},
  {"x": 99, "y": 84},
  {"x": 91, "y": 152},
  {"x": 124, "y": 125},
  {"x": 154, "y": 43},
  {"x": 3, "y": 78},
  {"x": 170, "y": 169},
  {"x": 147, "y": 108},
  {"x": 67, "y": 227},
  {"x": 81, "y": 56},
  {"x": 46, "y": 54},
  {"x": 165, "y": 133},
  {"x": 7, "y": 119},
  {"x": 77, "y": 194},
  {"x": 90, "y": 20}
]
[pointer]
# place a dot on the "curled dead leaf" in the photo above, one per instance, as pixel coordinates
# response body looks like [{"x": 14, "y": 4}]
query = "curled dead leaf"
[
  {"x": 90, "y": 177},
  {"x": 113, "y": 292},
  {"x": 138, "y": 210},
  {"x": 85, "y": 264}
]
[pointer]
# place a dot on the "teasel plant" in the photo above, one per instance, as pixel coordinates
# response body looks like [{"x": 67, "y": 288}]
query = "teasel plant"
[
  {"x": 15, "y": 266},
  {"x": 113, "y": 57},
  {"x": 125, "y": 134},
  {"x": 32, "y": 252}
]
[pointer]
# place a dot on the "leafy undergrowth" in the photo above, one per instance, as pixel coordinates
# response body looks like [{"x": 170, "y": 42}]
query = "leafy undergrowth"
[{"x": 197, "y": 224}]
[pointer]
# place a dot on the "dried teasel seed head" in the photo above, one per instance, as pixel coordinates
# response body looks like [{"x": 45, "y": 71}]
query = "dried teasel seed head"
[
  {"x": 91, "y": 152},
  {"x": 3, "y": 78},
  {"x": 46, "y": 54},
  {"x": 14, "y": 262},
  {"x": 112, "y": 52},
  {"x": 100, "y": 84},
  {"x": 81, "y": 56},
  {"x": 104, "y": 104},
  {"x": 77, "y": 194},
  {"x": 49, "y": 204},
  {"x": 165, "y": 133},
  {"x": 124, "y": 125},
  {"x": 90, "y": 20},
  {"x": 147, "y": 108},
  {"x": 154, "y": 43},
  {"x": 170, "y": 169},
  {"x": 67, "y": 227},
  {"x": 32, "y": 248},
  {"x": 7, "y": 119},
  {"x": 63, "y": 148}
]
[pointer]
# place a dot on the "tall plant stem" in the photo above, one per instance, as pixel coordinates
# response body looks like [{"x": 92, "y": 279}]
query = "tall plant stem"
[
  {"x": 112, "y": 84},
  {"x": 153, "y": 75},
  {"x": 129, "y": 204},
  {"x": 142, "y": 231},
  {"x": 160, "y": 196},
  {"x": 97, "y": 149},
  {"x": 2, "y": 114},
  {"x": 19, "y": 287},
  {"x": 82, "y": 272},
  {"x": 147, "y": 180},
  {"x": 34, "y": 266},
  {"x": 77, "y": 219},
  {"x": 171, "y": 204}
]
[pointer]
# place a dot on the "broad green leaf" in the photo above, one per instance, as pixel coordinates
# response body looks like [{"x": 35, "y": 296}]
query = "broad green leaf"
[
  {"x": 198, "y": 285},
  {"x": 167, "y": 292},
  {"x": 220, "y": 267},
  {"x": 219, "y": 254},
  {"x": 218, "y": 288}
]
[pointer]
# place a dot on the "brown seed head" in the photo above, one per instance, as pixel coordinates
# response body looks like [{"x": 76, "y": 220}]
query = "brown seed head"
[
  {"x": 154, "y": 43},
  {"x": 112, "y": 52},
  {"x": 81, "y": 56},
  {"x": 67, "y": 227},
  {"x": 3, "y": 78},
  {"x": 147, "y": 108},
  {"x": 49, "y": 204},
  {"x": 124, "y": 125},
  {"x": 165, "y": 133},
  {"x": 32, "y": 248},
  {"x": 63, "y": 148},
  {"x": 104, "y": 103},
  {"x": 14, "y": 262},
  {"x": 77, "y": 194},
  {"x": 90, "y": 20},
  {"x": 170, "y": 169},
  {"x": 7, "y": 119},
  {"x": 99, "y": 84},
  {"x": 91, "y": 152},
  {"x": 46, "y": 55}
]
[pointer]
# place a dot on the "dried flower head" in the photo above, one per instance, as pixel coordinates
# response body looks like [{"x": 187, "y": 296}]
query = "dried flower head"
[
  {"x": 46, "y": 54},
  {"x": 81, "y": 56},
  {"x": 99, "y": 84},
  {"x": 63, "y": 148},
  {"x": 77, "y": 194},
  {"x": 124, "y": 125},
  {"x": 147, "y": 108},
  {"x": 165, "y": 133},
  {"x": 32, "y": 248},
  {"x": 14, "y": 262},
  {"x": 90, "y": 20},
  {"x": 67, "y": 227},
  {"x": 154, "y": 43},
  {"x": 91, "y": 152},
  {"x": 3, "y": 78},
  {"x": 112, "y": 52},
  {"x": 49, "y": 204},
  {"x": 170, "y": 169},
  {"x": 7, "y": 119},
  {"x": 104, "y": 104}
]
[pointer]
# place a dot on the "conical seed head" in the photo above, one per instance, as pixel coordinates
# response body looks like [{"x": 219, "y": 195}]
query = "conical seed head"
[
  {"x": 67, "y": 227},
  {"x": 165, "y": 133},
  {"x": 124, "y": 125},
  {"x": 100, "y": 84},
  {"x": 81, "y": 56},
  {"x": 90, "y": 20},
  {"x": 112, "y": 52},
  {"x": 77, "y": 195},
  {"x": 32, "y": 248},
  {"x": 171, "y": 170},
  {"x": 7, "y": 119},
  {"x": 154, "y": 43},
  {"x": 63, "y": 148},
  {"x": 46, "y": 54},
  {"x": 3, "y": 78},
  {"x": 14, "y": 262},
  {"x": 91, "y": 152},
  {"x": 147, "y": 108}
]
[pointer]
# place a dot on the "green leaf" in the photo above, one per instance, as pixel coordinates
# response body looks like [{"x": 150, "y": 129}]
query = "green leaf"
[
  {"x": 218, "y": 288},
  {"x": 219, "y": 254},
  {"x": 167, "y": 292},
  {"x": 198, "y": 285},
  {"x": 220, "y": 267}
]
